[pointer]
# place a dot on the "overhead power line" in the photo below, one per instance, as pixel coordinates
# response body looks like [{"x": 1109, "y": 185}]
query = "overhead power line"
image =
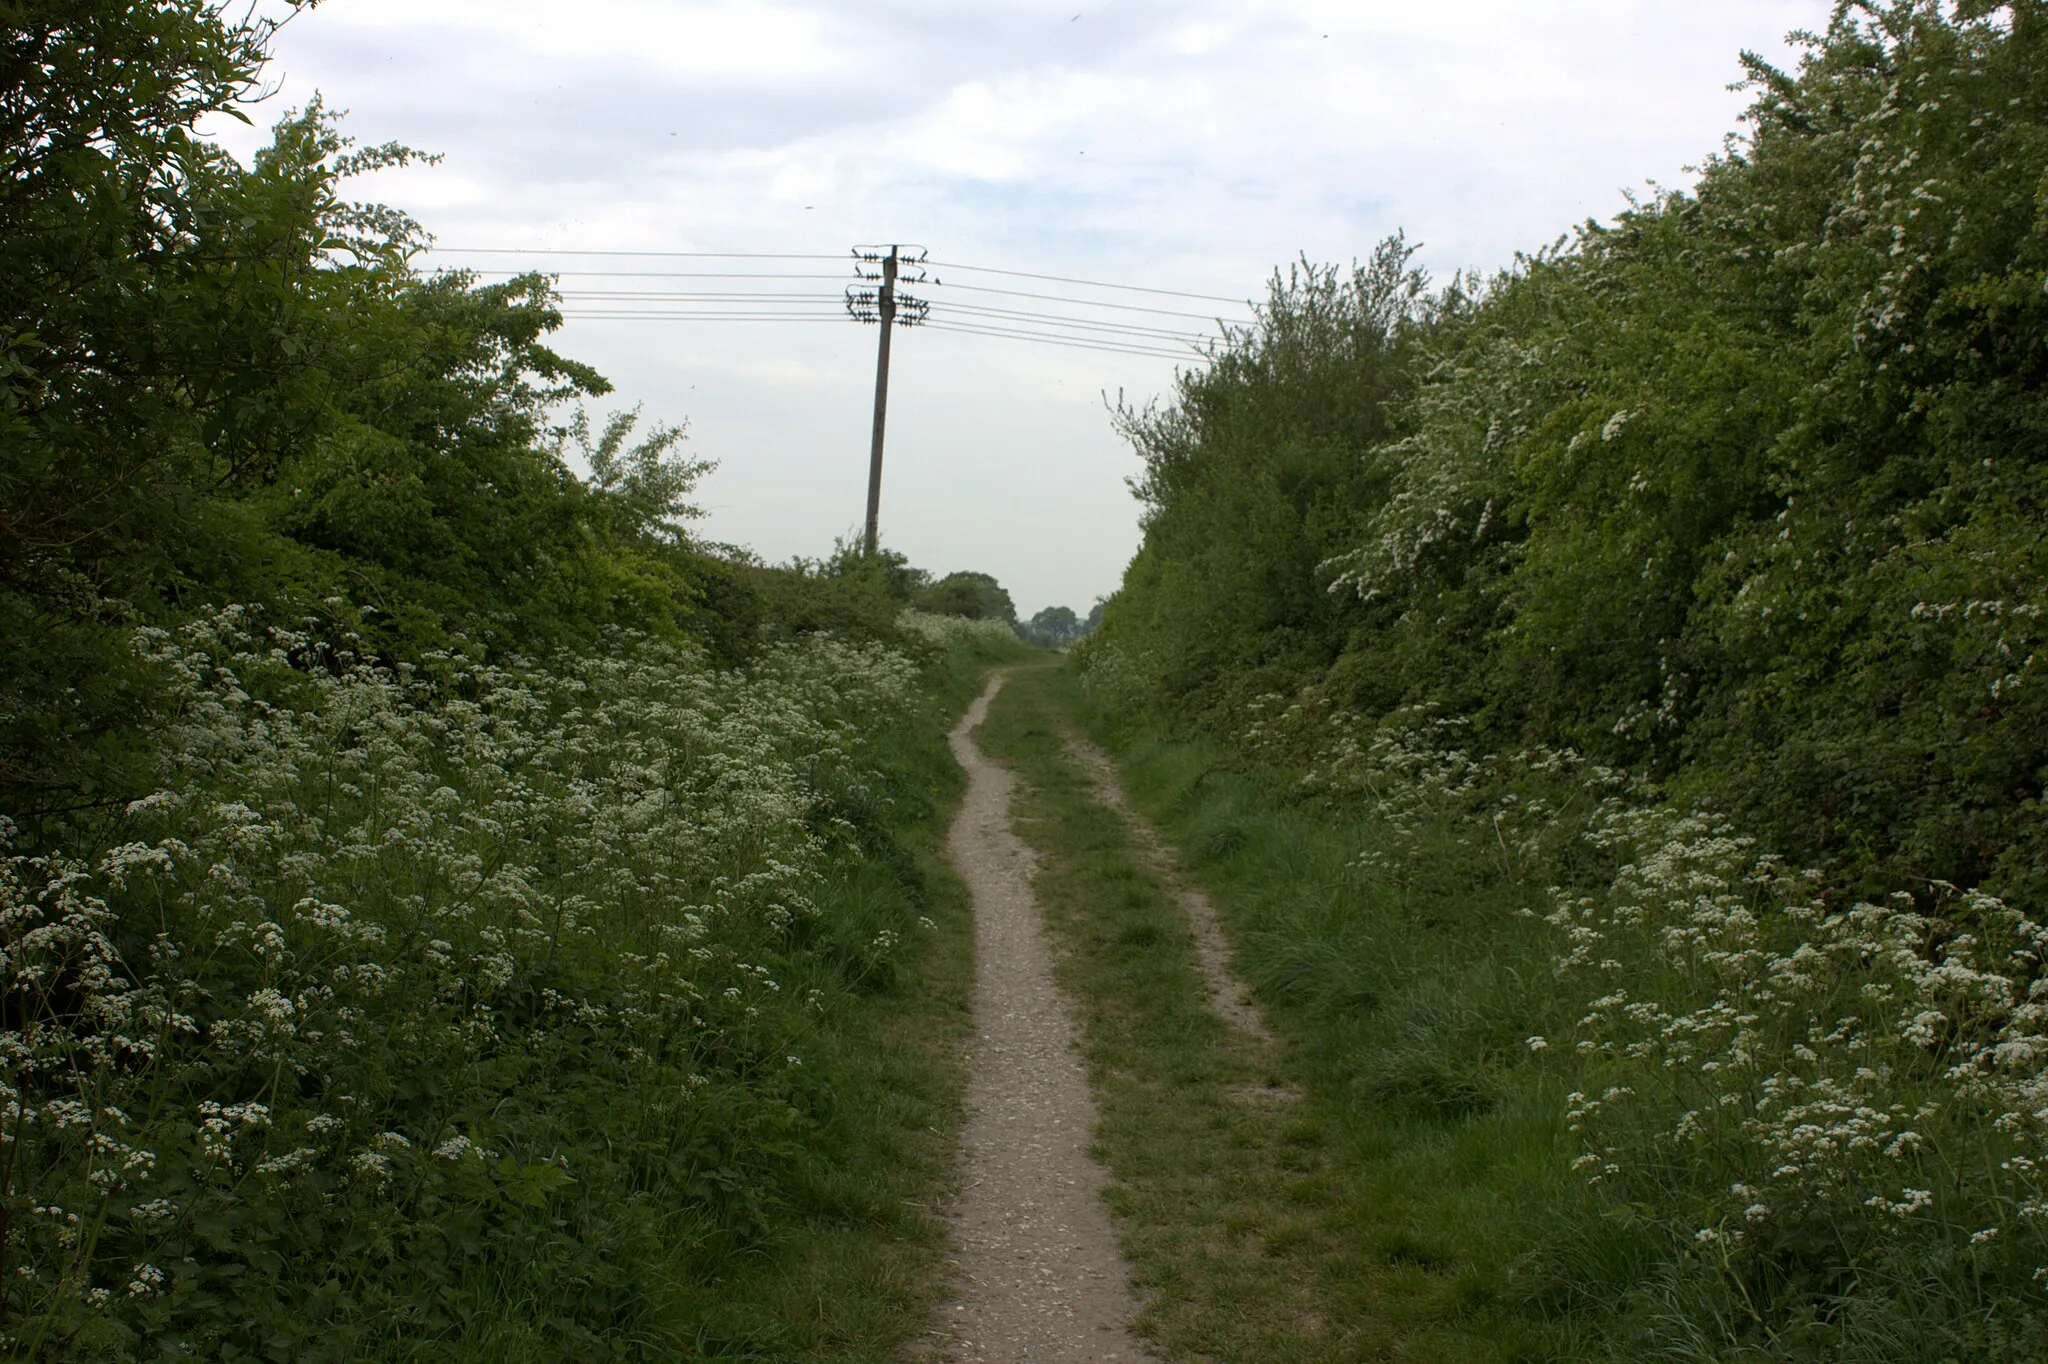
[
  {"x": 665, "y": 304},
  {"x": 1187, "y": 346},
  {"x": 1040, "y": 338},
  {"x": 576, "y": 296},
  {"x": 937, "y": 284},
  {"x": 1073, "y": 321},
  {"x": 1089, "y": 283},
  {"x": 680, "y": 255},
  {"x": 972, "y": 288},
  {"x": 1102, "y": 325},
  {"x": 816, "y": 256},
  {"x": 1084, "y": 302},
  {"x": 1107, "y": 345},
  {"x": 635, "y": 315},
  {"x": 1079, "y": 324},
  {"x": 659, "y": 274}
]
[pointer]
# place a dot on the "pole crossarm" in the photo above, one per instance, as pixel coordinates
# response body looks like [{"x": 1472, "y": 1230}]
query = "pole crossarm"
[
  {"x": 884, "y": 270},
  {"x": 865, "y": 305}
]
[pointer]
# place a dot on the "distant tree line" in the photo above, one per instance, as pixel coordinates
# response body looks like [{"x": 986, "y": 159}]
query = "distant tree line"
[
  {"x": 1057, "y": 626},
  {"x": 977, "y": 596}
]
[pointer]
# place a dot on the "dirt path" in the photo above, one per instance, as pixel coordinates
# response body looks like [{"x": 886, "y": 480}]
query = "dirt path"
[
  {"x": 1042, "y": 1277},
  {"x": 1229, "y": 997}
]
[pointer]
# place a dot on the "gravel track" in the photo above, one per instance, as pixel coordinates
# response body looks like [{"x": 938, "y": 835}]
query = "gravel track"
[{"x": 1041, "y": 1276}]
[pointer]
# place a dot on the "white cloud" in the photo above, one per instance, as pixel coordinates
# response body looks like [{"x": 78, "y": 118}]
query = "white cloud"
[{"x": 740, "y": 38}]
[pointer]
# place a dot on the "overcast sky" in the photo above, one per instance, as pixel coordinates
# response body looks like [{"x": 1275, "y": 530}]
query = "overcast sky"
[{"x": 1188, "y": 145}]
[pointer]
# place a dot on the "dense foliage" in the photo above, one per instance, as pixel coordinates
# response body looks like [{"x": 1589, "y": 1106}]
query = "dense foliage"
[
  {"x": 1743, "y": 490},
  {"x": 1263, "y": 470},
  {"x": 1700, "y": 548}
]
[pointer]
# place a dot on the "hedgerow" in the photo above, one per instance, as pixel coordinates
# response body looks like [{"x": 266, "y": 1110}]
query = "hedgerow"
[
  {"x": 1742, "y": 490},
  {"x": 1692, "y": 565}
]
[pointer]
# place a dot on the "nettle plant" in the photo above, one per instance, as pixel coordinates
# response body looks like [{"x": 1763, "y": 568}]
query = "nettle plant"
[{"x": 394, "y": 969}]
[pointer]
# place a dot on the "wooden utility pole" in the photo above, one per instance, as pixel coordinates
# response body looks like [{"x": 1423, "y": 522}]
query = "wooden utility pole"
[
  {"x": 886, "y": 301},
  {"x": 883, "y": 267}
]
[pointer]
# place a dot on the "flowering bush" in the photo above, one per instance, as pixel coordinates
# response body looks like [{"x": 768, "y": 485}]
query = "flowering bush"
[
  {"x": 1810, "y": 1102},
  {"x": 946, "y": 630},
  {"x": 1109, "y": 676},
  {"x": 1820, "y": 1119},
  {"x": 1732, "y": 488},
  {"x": 404, "y": 981},
  {"x": 1738, "y": 491},
  {"x": 1414, "y": 769}
]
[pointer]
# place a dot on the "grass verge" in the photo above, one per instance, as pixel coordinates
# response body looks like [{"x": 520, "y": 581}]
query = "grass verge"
[
  {"x": 1359, "y": 1193},
  {"x": 849, "y": 1268}
]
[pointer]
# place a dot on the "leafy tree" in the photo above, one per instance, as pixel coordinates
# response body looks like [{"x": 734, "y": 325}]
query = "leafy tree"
[
  {"x": 648, "y": 488},
  {"x": 221, "y": 382},
  {"x": 124, "y": 246},
  {"x": 1057, "y": 626},
  {"x": 1257, "y": 474},
  {"x": 976, "y": 596}
]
